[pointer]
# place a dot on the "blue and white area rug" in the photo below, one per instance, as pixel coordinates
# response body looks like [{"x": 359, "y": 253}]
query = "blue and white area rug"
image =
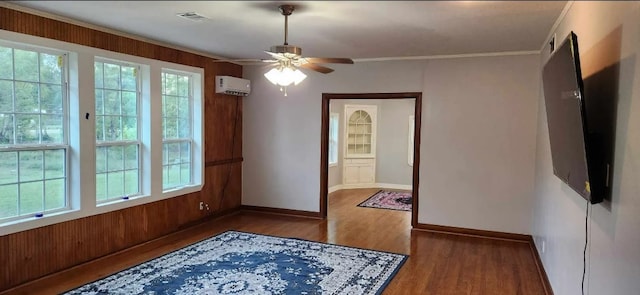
[{"x": 245, "y": 263}]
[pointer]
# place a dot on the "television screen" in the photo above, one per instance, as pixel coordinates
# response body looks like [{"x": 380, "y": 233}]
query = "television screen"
[{"x": 564, "y": 100}]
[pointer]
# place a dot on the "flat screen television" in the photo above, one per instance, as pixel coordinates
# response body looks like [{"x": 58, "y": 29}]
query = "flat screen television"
[{"x": 571, "y": 146}]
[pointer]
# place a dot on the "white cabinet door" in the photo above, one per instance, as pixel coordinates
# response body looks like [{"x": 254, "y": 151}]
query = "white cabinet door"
[{"x": 359, "y": 171}]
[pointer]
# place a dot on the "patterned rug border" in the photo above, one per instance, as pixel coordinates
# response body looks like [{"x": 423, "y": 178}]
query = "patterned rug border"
[
  {"x": 359, "y": 205},
  {"x": 379, "y": 292}
]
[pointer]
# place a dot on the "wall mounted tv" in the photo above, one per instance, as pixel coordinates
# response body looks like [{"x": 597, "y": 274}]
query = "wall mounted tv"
[{"x": 576, "y": 154}]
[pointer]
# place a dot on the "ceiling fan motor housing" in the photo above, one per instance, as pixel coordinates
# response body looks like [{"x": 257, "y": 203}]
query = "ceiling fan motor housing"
[{"x": 291, "y": 49}]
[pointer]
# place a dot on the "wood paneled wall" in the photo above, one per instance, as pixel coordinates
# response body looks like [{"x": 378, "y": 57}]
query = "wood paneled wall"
[{"x": 31, "y": 254}]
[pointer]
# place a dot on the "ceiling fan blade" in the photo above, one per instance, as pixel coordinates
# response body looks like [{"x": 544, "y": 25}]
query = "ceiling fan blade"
[
  {"x": 329, "y": 60},
  {"x": 317, "y": 68}
]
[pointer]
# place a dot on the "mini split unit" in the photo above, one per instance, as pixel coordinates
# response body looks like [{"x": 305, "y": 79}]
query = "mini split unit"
[{"x": 233, "y": 86}]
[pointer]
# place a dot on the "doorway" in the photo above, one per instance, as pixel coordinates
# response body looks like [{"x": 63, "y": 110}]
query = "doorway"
[{"x": 324, "y": 155}]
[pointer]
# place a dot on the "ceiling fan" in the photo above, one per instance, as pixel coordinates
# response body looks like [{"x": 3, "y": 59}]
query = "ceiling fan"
[{"x": 291, "y": 55}]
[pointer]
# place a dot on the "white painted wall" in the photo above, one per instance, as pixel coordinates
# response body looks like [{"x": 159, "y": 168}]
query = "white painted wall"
[
  {"x": 392, "y": 140},
  {"x": 478, "y": 142},
  {"x": 478, "y": 135},
  {"x": 559, "y": 218},
  {"x": 281, "y": 135}
]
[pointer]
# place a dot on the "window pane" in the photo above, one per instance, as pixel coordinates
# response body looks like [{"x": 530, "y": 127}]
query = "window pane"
[
  {"x": 8, "y": 200},
  {"x": 27, "y": 126},
  {"x": 99, "y": 102},
  {"x": 115, "y": 184},
  {"x": 184, "y": 108},
  {"x": 183, "y": 86},
  {"x": 112, "y": 102},
  {"x": 130, "y": 128},
  {"x": 54, "y": 164},
  {"x": 129, "y": 103},
  {"x": 171, "y": 84},
  {"x": 129, "y": 81},
  {"x": 115, "y": 161},
  {"x": 171, "y": 128},
  {"x": 50, "y": 72},
  {"x": 111, "y": 76},
  {"x": 54, "y": 194},
  {"x": 131, "y": 182},
  {"x": 6, "y": 96},
  {"x": 172, "y": 176},
  {"x": 170, "y": 106},
  {"x": 52, "y": 129},
  {"x": 173, "y": 156},
  {"x": 185, "y": 174},
  {"x": 31, "y": 197},
  {"x": 165, "y": 153},
  {"x": 6, "y": 129},
  {"x": 100, "y": 132},
  {"x": 97, "y": 70},
  {"x": 50, "y": 99},
  {"x": 112, "y": 128},
  {"x": 101, "y": 159},
  {"x": 165, "y": 177},
  {"x": 8, "y": 167},
  {"x": 26, "y": 65},
  {"x": 131, "y": 157},
  {"x": 184, "y": 128},
  {"x": 185, "y": 152},
  {"x": 6, "y": 63},
  {"x": 101, "y": 186},
  {"x": 27, "y": 97},
  {"x": 30, "y": 165}
]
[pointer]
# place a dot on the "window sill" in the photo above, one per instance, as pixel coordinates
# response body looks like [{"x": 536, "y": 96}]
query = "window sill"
[{"x": 333, "y": 164}]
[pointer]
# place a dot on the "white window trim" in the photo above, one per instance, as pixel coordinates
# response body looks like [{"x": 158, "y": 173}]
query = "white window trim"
[
  {"x": 81, "y": 158},
  {"x": 334, "y": 116}
]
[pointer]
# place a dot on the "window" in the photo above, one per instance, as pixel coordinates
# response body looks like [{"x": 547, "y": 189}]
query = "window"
[
  {"x": 117, "y": 99},
  {"x": 411, "y": 139},
  {"x": 137, "y": 139},
  {"x": 33, "y": 132},
  {"x": 177, "y": 135},
  {"x": 333, "y": 138}
]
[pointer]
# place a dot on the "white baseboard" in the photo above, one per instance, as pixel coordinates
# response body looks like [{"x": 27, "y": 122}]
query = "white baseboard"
[{"x": 370, "y": 185}]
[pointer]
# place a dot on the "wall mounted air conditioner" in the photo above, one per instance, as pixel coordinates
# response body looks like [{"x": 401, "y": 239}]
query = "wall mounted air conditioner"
[{"x": 233, "y": 86}]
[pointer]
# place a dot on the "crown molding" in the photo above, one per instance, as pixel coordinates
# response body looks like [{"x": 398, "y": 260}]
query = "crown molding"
[{"x": 448, "y": 56}]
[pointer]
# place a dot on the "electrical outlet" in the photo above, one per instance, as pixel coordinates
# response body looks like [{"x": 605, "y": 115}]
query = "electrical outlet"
[
  {"x": 201, "y": 206},
  {"x": 543, "y": 246}
]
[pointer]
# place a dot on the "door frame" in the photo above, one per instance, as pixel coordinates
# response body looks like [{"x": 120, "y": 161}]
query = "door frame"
[{"x": 324, "y": 144}]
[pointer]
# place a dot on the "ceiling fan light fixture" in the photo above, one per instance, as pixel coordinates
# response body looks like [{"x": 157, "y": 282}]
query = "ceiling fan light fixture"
[{"x": 285, "y": 76}]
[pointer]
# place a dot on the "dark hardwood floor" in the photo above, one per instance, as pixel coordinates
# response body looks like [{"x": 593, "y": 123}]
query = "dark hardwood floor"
[{"x": 438, "y": 263}]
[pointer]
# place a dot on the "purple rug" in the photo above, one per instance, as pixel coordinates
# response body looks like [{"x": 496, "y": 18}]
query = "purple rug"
[{"x": 389, "y": 200}]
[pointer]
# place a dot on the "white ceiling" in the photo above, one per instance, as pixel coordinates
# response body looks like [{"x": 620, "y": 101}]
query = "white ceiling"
[{"x": 356, "y": 29}]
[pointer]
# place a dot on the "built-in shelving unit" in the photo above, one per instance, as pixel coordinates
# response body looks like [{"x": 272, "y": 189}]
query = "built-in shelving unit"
[{"x": 359, "y": 144}]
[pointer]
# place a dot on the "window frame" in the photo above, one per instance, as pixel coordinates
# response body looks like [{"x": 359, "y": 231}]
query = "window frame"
[{"x": 64, "y": 146}]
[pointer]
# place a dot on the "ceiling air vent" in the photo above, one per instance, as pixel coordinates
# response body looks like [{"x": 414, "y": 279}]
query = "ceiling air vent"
[{"x": 191, "y": 16}]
